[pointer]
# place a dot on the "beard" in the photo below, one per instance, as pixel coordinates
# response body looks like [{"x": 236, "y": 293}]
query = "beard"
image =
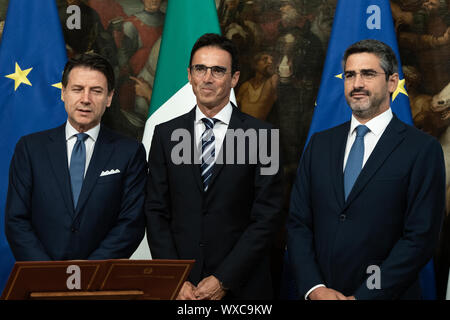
[
  {"x": 268, "y": 71},
  {"x": 368, "y": 107}
]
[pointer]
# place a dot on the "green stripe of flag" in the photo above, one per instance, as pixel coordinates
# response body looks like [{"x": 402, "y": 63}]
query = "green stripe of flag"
[{"x": 185, "y": 22}]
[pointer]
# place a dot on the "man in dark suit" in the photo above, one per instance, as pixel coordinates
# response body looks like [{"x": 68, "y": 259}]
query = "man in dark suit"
[
  {"x": 77, "y": 191},
  {"x": 223, "y": 214},
  {"x": 368, "y": 201}
]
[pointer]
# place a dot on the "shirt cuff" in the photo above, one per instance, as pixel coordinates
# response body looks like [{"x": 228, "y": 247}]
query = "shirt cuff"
[{"x": 312, "y": 289}]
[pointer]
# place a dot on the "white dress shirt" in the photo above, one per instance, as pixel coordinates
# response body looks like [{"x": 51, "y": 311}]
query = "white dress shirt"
[
  {"x": 89, "y": 142},
  {"x": 376, "y": 126},
  {"x": 219, "y": 130}
]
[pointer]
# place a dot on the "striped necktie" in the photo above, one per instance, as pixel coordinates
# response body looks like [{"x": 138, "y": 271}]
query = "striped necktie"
[{"x": 208, "y": 151}]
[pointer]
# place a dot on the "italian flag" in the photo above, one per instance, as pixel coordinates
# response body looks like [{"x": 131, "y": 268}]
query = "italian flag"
[{"x": 172, "y": 96}]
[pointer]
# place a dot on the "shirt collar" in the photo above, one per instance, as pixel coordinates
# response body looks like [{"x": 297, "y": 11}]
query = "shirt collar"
[
  {"x": 224, "y": 115},
  {"x": 376, "y": 125},
  {"x": 92, "y": 133}
]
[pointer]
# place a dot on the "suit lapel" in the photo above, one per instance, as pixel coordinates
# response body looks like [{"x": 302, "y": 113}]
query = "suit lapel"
[
  {"x": 195, "y": 155},
  {"x": 236, "y": 122},
  {"x": 103, "y": 150},
  {"x": 57, "y": 153},
  {"x": 339, "y": 141},
  {"x": 392, "y": 136}
]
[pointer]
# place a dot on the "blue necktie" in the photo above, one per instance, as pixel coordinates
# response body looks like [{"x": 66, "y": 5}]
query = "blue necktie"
[
  {"x": 208, "y": 151},
  {"x": 77, "y": 164},
  {"x": 354, "y": 160}
]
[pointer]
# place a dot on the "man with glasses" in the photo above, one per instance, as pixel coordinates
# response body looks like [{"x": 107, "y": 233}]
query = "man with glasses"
[
  {"x": 222, "y": 214},
  {"x": 368, "y": 201}
]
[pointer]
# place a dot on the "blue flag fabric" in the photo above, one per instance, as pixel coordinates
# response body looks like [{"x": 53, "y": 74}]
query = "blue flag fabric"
[
  {"x": 354, "y": 21},
  {"x": 32, "y": 59}
]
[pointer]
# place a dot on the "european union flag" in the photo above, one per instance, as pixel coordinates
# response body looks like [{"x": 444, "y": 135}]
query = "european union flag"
[
  {"x": 354, "y": 21},
  {"x": 32, "y": 59}
]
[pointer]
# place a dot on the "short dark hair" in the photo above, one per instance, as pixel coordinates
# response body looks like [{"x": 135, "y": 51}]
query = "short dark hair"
[
  {"x": 221, "y": 42},
  {"x": 388, "y": 60},
  {"x": 92, "y": 61}
]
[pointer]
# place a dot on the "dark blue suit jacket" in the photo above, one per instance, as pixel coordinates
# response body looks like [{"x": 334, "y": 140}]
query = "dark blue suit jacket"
[
  {"x": 108, "y": 223},
  {"x": 391, "y": 218}
]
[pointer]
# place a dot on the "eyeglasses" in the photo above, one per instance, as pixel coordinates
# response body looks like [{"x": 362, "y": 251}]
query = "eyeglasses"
[
  {"x": 365, "y": 75},
  {"x": 199, "y": 71}
]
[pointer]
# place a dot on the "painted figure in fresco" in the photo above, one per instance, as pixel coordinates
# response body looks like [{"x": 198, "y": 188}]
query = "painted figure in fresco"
[
  {"x": 137, "y": 36},
  {"x": 91, "y": 37},
  {"x": 424, "y": 33},
  {"x": 144, "y": 86},
  {"x": 257, "y": 95},
  {"x": 140, "y": 33},
  {"x": 323, "y": 20},
  {"x": 300, "y": 56}
]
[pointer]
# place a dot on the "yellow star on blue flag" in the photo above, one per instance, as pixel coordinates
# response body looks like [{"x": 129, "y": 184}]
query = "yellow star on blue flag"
[
  {"x": 19, "y": 76},
  {"x": 400, "y": 89},
  {"x": 57, "y": 85}
]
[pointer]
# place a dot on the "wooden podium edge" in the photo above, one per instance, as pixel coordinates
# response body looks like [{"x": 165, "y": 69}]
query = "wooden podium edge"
[{"x": 96, "y": 295}]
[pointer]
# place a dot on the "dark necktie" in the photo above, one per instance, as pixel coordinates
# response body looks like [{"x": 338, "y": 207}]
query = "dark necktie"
[
  {"x": 354, "y": 160},
  {"x": 208, "y": 151},
  {"x": 77, "y": 164}
]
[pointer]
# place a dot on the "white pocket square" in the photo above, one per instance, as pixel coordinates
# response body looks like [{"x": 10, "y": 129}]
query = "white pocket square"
[{"x": 109, "y": 172}]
